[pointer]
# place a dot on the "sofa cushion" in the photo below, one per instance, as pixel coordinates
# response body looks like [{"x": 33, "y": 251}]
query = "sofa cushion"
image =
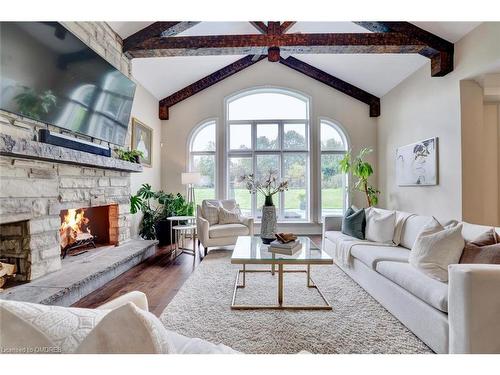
[
  {"x": 380, "y": 225},
  {"x": 227, "y": 230},
  {"x": 370, "y": 255},
  {"x": 433, "y": 292},
  {"x": 127, "y": 330},
  {"x": 354, "y": 222},
  {"x": 436, "y": 248},
  {"x": 485, "y": 249},
  {"x": 65, "y": 327},
  {"x": 229, "y": 217},
  {"x": 412, "y": 228}
]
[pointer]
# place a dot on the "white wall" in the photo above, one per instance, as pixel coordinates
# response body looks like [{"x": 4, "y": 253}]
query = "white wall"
[
  {"x": 325, "y": 102},
  {"x": 423, "y": 107},
  {"x": 145, "y": 109}
]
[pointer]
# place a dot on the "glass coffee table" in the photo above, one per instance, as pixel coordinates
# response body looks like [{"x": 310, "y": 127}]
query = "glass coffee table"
[{"x": 250, "y": 250}]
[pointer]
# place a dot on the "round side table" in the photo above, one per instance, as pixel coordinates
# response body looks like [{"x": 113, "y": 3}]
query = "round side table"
[{"x": 180, "y": 232}]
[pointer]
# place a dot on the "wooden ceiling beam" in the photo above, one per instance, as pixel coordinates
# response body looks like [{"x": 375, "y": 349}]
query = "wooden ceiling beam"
[
  {"x": 157, "y": 29},
  {"x": 285, "y": 26},
  {"x": 438, "y": 50},
  {"x": 206, "y": 82},
  {"x": 260, "y": 26},
  {"x": 252, "y": 44},
  {"x": 335, "y": 83}
]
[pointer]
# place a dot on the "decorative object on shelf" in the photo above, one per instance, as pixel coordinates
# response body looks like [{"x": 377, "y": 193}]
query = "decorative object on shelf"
[
  {"x": 156, "y": 207},
  {"x": 190, "y": 179},
  {"x": 269, "y": 187},
  {"x": 142, "y": 140},
  {"x": 362, "y": 170},
  {"x": 132, "y": 156},
  {"x": 286, "y": 237},
  {"x": 417, "y": 163}
]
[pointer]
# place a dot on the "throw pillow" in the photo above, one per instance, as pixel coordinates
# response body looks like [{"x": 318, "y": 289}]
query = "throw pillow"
[
  {"x": 64, "y": 327},
  {"x": 435, "y": 248},
  {"x": 353, "y": 223},
  {"x": 127, "y": 330},
  {"x": 210, "y": 212},
  {"x": 483, "y": 250},
  {"x": 380, "y": 225},
  {"x": 228, "y": 217}
]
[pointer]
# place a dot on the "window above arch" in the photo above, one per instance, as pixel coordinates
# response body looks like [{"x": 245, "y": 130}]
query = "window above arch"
[
  {"x": 266, "y": 104},
  {"x": 332, "y": 137}
]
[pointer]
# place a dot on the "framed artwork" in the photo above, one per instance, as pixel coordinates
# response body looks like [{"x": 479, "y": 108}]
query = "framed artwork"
[
  {"x": 142, "y": 140},
  {"x": 417, "y": 163}
]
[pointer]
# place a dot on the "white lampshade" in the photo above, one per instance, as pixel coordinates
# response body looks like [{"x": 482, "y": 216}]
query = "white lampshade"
[{"x": 190, "y": 178}]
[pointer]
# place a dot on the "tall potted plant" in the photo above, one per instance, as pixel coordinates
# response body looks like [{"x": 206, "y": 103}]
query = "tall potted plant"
[
  {"x": 268, "y": 188},
  {"x": 156, "y": 206},
  {"x": 362, "y": 170}
]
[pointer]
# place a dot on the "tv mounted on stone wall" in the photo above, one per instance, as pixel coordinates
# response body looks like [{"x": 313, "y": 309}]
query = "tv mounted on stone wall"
[{"x": 49, "y": 75}]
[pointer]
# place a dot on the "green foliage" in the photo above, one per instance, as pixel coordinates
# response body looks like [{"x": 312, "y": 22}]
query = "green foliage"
[
  {"x": 34, "y": 105},
  {"x": 156, "y": 206},
  {"x": 131, "y": 156},
  {"x": 362, "y": 170}
]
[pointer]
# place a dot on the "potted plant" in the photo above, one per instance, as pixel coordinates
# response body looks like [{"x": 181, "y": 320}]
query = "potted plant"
[
  {"x": 156, "y": 207},
  {"x": 133, "y": 156},
  {"x": 361, "y": 169},
  {"x": 269, "y": 187}
]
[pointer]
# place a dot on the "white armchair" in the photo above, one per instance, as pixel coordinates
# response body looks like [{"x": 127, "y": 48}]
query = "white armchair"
[{"x": 221, "y": 234}]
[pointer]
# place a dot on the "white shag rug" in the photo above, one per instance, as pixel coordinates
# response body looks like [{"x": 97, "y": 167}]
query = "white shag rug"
[{"x": 357, "y": 323}]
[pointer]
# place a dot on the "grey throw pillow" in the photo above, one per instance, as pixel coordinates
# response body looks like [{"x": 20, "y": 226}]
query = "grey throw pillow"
[{"x": 354, "y": 223}]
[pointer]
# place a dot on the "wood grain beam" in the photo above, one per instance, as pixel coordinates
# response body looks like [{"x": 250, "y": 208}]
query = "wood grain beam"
[
  {"x": 285, "y": 26},
  {"x": 335, "y": 83},
  {"x": 157, "y": 29},
  {"x": 206, "y": 82},
  {"x": 439, "y": 50},
  {"x": 252, "y": 44},
  {"x": 259, "y": 25}
]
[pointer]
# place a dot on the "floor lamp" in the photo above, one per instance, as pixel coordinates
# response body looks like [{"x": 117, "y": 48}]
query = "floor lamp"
[{"x": 190, "y": 179}]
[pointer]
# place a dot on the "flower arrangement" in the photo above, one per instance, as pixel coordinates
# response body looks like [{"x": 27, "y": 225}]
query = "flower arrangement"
[{"x": 269, "y": 187}]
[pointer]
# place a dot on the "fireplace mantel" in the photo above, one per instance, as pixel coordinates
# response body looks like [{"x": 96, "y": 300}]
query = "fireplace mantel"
[{"x": 28, "y": 149}]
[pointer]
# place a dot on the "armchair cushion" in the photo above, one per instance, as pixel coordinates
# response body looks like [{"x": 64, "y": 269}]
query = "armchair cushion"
[
  {"x": 229, "y": 217},
  {"x": 210, "y": 211},
  {"x": 228, "y": 230}
]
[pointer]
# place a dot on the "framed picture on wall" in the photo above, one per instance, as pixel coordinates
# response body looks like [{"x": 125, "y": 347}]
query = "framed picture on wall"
[
  {"x": 142, "y": 140},
  {"x": 417, "y": 163}
]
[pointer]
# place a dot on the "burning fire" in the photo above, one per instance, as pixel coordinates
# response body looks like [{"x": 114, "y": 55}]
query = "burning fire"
[{"x": 75, "y": 227}]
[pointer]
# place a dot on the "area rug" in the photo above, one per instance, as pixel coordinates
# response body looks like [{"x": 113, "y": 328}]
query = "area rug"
[{"x": 357, "y": 323}]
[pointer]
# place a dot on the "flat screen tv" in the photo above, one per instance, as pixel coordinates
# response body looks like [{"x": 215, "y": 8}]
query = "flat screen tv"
[{"x": 48, "y": 74}]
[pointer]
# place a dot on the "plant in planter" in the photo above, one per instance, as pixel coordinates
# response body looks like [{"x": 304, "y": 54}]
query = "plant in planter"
[
  {"x": 269, "y": 187},
  {"x": 156, "y": 207},
  {"x": 362, "y": 170},
  {"x": 132, "y": 156}
]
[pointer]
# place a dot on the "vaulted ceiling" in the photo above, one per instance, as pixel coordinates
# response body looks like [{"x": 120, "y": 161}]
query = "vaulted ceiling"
[{"x": 372, "y": 73}]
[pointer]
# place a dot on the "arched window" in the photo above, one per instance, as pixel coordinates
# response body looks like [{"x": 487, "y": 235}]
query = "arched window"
[
  {"x": 202, "y": 159},
  {"x": 334, "y": 145},
  {"x": 268, "y": 129}
]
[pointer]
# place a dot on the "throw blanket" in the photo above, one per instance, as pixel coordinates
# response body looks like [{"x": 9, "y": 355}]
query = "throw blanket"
[{"x": 344, "y": 244}]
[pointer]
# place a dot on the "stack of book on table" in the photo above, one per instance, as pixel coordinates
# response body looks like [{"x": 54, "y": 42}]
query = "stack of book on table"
[{"x": 290, "y": 247}]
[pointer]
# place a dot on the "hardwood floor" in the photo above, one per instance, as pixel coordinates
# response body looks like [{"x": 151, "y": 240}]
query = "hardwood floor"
[{"x": 160, "y": 277}]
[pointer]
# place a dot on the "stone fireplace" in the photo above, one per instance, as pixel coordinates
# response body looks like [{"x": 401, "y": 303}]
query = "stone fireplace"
[{"x": 39, "y": 186}]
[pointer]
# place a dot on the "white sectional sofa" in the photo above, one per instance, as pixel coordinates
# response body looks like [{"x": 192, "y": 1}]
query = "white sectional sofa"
[{"x": 461, "y": 316}]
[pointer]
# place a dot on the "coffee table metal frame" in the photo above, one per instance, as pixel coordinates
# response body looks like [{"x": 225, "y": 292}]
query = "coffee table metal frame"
[{"x": 281, "y": 305}]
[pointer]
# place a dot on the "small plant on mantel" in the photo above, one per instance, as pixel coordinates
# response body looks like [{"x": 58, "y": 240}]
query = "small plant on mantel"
[
  {"x": 132, "y": 156},
  {"x": 362, "y": 170}
]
